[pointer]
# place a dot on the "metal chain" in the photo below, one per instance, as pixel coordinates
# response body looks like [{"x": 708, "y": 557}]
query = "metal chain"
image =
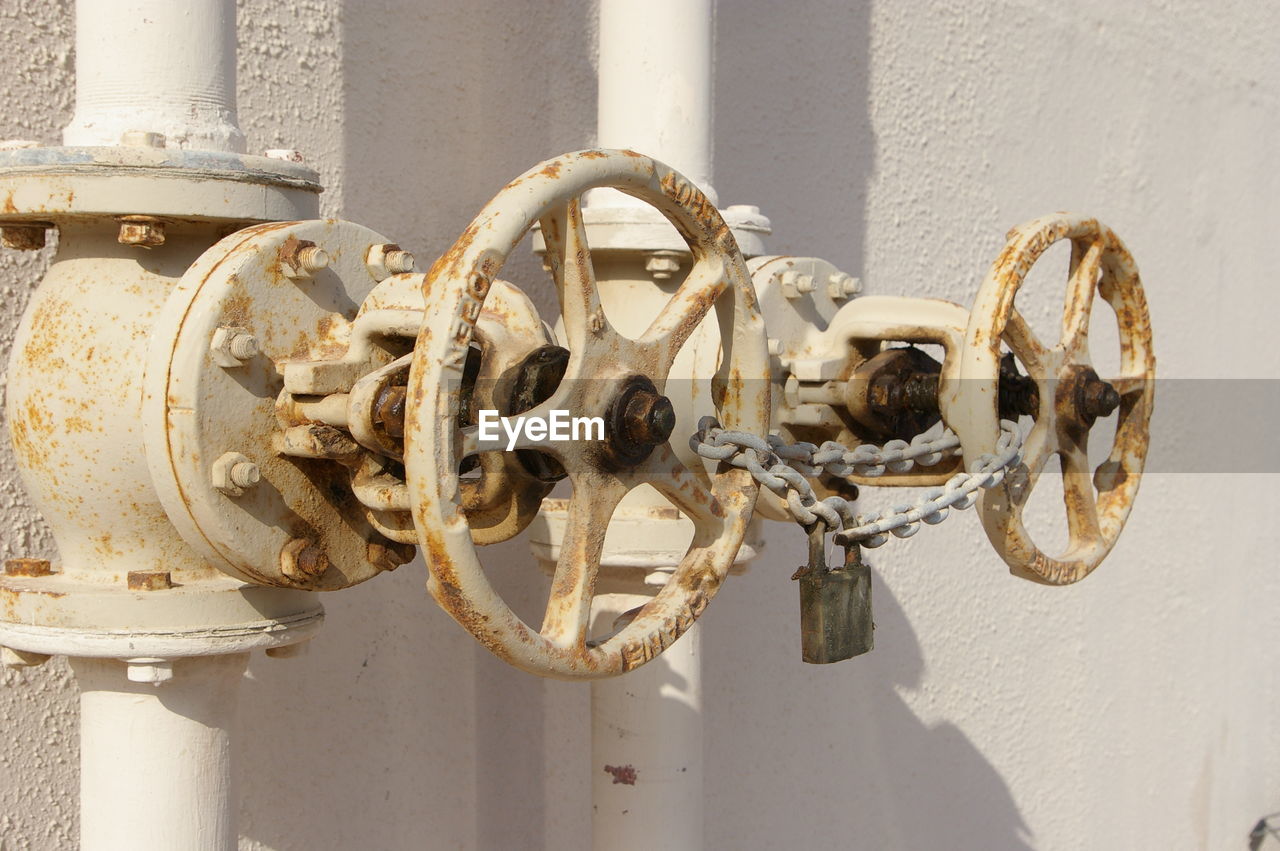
[{"x": 783, "y": 468}]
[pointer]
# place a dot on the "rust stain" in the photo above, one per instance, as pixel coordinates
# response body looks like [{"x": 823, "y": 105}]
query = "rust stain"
[{"x": 624, "y": 774}]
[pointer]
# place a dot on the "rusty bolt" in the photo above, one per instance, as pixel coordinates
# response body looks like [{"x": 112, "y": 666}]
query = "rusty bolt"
[
  {"x": 11, "y": 658},
  {"x": 306, "y": 260},
  {"x": 796, "y": 284},
  {"x": 232, "y": 346},
  {"x": 26, "y": 238},
  {"x": 662, "y": 264},
  {"x": 233, "y": 473},
  {"x": 28, "y": 567},
  {"x": 649, "y": 418},
  {"x": 149, "y": 670},
  {"x": 142, "y": 139},
  {"x": 399, "y": 262},
  {"x": 388, "y": 555},
  {"x": 286, "y": 154},
  {"x": 1099, "y": 398},
  {"x": 841, "y": 286},
  {"x": 145, "y": 231},
  {"x": 301, "y": 560},
  {"x": 149, "y": 580}
]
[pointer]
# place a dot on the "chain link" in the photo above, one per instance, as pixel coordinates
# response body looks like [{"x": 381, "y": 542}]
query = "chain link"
[{"x": 782, "y": 468}]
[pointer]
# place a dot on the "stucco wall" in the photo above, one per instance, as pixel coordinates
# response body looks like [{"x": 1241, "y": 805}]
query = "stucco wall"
[{"x": 900, "y": 140}]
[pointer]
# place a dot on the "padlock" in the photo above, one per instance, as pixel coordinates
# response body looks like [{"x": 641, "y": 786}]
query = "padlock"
[{"x": 835, "y": 604}]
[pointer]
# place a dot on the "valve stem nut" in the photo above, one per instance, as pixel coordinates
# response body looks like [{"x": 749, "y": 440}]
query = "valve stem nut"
[{"x": 301, "y": 560}]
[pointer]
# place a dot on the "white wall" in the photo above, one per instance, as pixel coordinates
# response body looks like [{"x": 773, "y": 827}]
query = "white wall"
[{"x": 899, "y": 140}]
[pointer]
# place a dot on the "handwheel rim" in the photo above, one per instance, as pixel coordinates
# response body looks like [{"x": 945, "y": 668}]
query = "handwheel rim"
[
  {"x": 1094, "y": 519},
  {"x": 456, "y": 288}
]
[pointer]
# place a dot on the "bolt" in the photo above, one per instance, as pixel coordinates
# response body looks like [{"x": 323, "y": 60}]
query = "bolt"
[
  {"x": 386, "y": 259},
  {"x": 1099, "y": 399},
  {"x": 232, "y": 346},
  {"x": 145, "y": 231},
  {"x": 662, "y": 264},
  {"x": 775, "y": 347},
  {"x": 142, "y": 139},
  {"x": 149, "y": 580},
  {"x": 286, "y": 154},
  {"x": 796, "y": 284},
  {"x": 302, "y": 560},
  {"x": 388, "y": 555},
  {"x": 232, "y": 473},
  {"x": 301, "y": 258},
  {"x": 149, "y": 670},
  {"x": 28, "y": 567},
  {"x": 648, "y": 418},
  {"x": 12, "y": 658},
  {"x": 26, "y": 238},
  {"x": 841, "y": 286}
]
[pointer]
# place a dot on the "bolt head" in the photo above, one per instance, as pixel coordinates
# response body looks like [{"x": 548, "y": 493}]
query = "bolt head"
[
  {"x": 142, "y": 139},
  {"x": 143, "y": 231},
  {"x": 662, "y": 265},
  {"x": 388, "y": 555},
  {"x": 286, "y": 154},
  {"x": 28, "y": 567},
  {"x": 26, "y": 238},
  {"x": 841, "y": 286},
  {"x": 149, "y": 580},
  {"x": 386, "y": 259},
  {"x": 796, "y": 284}
]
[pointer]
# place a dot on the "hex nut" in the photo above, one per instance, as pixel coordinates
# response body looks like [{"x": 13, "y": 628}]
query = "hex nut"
[
  {"x": 386, "y": 259},
  {"x": 662, "y": 264},
  {"x": 388, "y": 555},
  {"x": 233, "y": 474},
  {"x": 232, "y": 346},
  {"x": 301, "y": 560},
  {"x": 144, "y": 231},
  {"x": 24, "y": 238},
  {"x": 28, "y": 567},
  {"x": 796, "y": 284},
  {"x": 301, "y": 259},
  {"x": 149, "y": 580},
  {"x": 842, "y": 286}
]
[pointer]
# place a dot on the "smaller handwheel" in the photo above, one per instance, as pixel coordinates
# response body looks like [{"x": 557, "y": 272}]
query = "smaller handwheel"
[
  {"x": 619, "y": 380},
  {"x": 1071, "y": 396}
]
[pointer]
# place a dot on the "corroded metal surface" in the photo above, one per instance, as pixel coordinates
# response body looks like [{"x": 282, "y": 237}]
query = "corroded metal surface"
[
  {"x": 600, "y": 361},
  {"x": 1097, "y": 501}
]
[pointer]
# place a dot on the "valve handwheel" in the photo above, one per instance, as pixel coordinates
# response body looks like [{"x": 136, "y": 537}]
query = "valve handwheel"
[
  {"x": 608, "y": 375},
  {"x": 1071, "y": 396}
]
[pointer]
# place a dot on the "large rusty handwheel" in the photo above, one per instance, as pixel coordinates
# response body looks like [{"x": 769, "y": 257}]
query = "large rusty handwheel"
[
  {"x": 1071, "y": 396},
  {"x": 619, "y": 379}
]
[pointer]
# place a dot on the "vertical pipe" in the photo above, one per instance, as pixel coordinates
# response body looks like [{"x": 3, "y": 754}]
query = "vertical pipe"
[
  {"x": 156, "y": 66},
  {"x": 646, "y": 751},
  {"x": 155, "y": 760},
  {"x": 655, "y": 67}
]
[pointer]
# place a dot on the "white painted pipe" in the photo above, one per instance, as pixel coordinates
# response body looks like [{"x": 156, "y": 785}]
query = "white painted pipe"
[
  {"x": 156, "y": 66},
  {"x": 646, "y": 750},
  {"x": 155, "y": 760},
  {"x": 655, "y": 71}
]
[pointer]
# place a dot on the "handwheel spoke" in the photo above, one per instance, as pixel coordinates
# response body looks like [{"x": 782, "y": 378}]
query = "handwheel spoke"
[
  {"x": 1082, "y": 283},
  {"x": 575, "y": 277},
  {"x": 681, "y": 315},
  {"x": 668, "y": 475},
  {"x": 1077, "y": 493},
  {"x": 1025, "y": 344},
  {"x": 573, "y": 586}
]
